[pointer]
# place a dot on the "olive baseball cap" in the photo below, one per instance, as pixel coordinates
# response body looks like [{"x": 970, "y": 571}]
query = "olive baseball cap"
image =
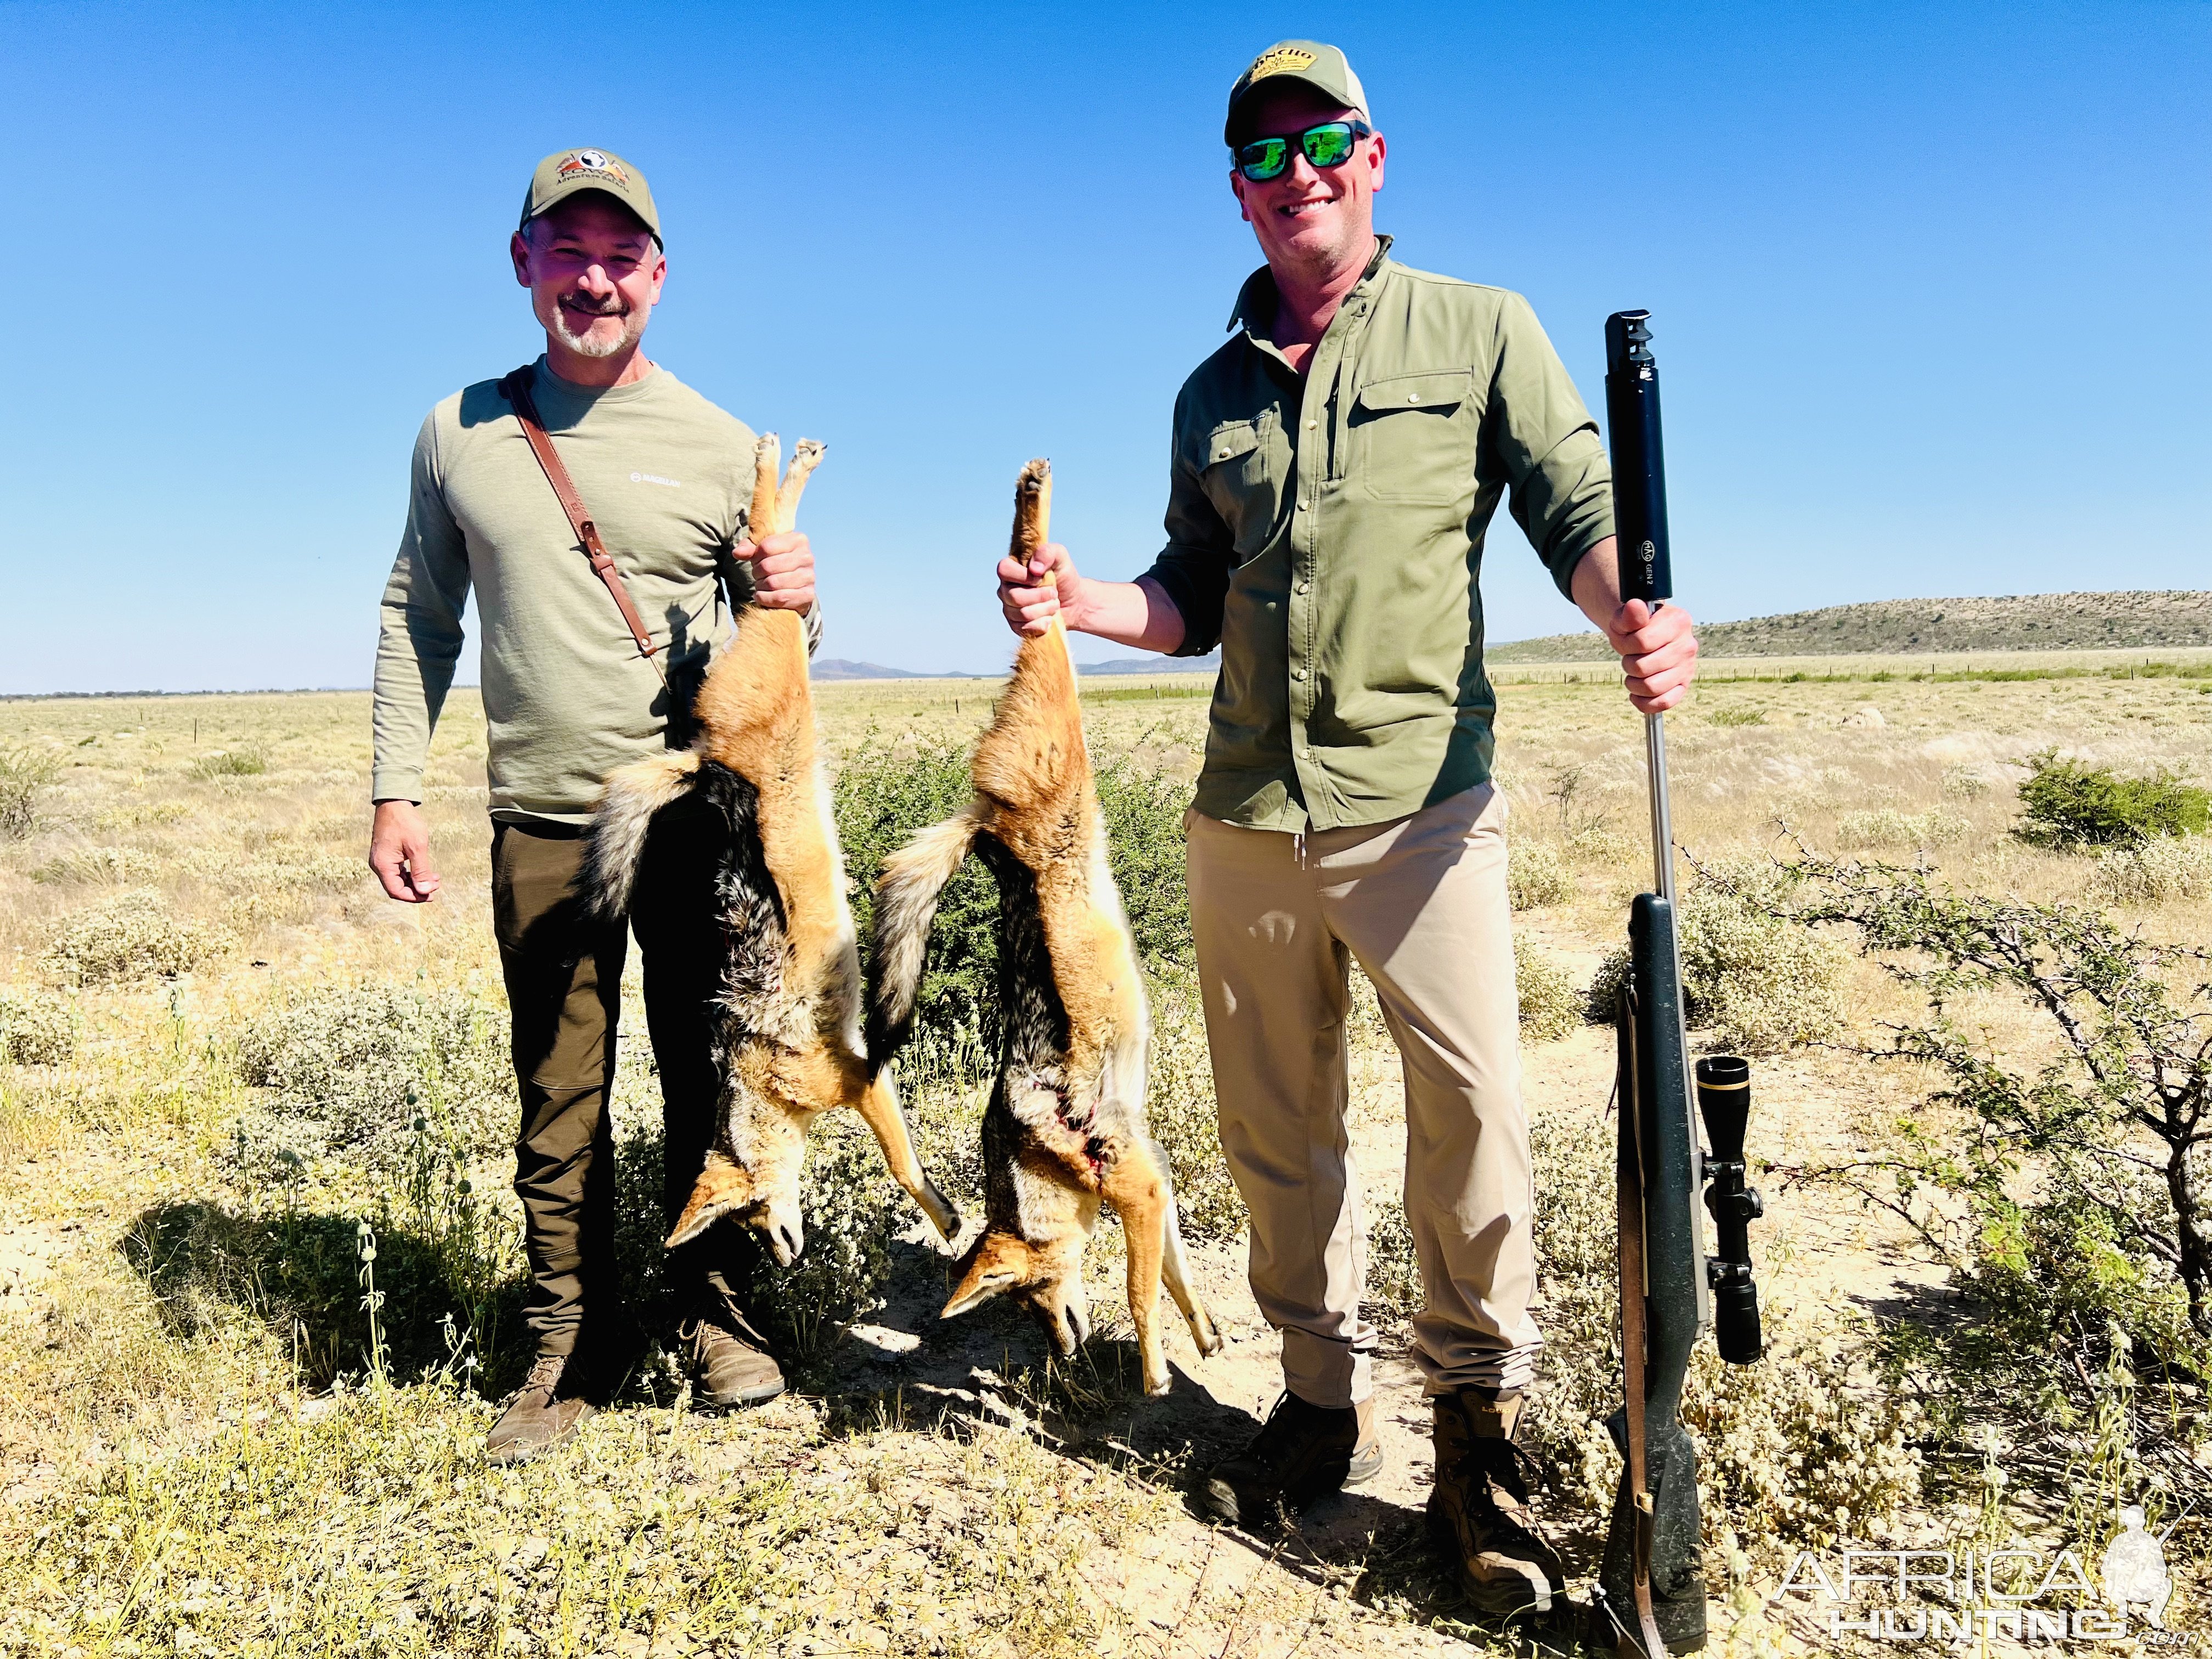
[
  {"x": 1323, "y": 68},
  {"x": 569, "y": 173}
]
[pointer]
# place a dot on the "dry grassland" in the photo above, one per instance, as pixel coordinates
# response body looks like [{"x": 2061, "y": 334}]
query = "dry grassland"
[{"x": 190, "y": 1461}]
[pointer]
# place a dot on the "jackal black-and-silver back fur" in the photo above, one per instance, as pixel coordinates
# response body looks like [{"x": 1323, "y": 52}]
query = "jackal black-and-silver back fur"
[{"x": 788, "y": 1009}]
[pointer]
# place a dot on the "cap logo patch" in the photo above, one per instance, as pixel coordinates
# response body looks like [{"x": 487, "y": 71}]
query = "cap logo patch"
[
  {"x": 1281, "y": 60},
  {"x": 590, "y": 160}
]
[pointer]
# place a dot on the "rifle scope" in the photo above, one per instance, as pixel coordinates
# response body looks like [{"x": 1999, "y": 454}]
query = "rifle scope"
[{"x": 1724, "y": 1098}]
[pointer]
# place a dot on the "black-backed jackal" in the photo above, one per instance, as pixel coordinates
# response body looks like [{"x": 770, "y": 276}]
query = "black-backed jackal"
[
  {"x": 789, "y": 1012},
  {"x": 1065, "y": 1126}
]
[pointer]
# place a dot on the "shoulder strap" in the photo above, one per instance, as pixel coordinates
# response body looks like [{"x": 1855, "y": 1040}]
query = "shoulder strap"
[{"x": 515, "y": 388}]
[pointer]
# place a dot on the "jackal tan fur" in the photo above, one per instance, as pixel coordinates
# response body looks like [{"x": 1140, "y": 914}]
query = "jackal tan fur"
[
  {"x": 789, "y": 1038},
  {"x": 1066, "y": 1128}
]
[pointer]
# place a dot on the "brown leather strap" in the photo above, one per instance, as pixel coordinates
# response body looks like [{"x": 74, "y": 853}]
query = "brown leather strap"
[{"x": 516, "y": 390}]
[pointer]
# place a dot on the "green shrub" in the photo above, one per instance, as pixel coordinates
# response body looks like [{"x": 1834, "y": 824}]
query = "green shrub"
[
  {"x": 230, "y": 763},
  {"x": 1551, "y": 1006},
  {"x": 133, "y": 937},
  {"x": 1739, "y": 714},
  {"x": 1756, "y": 978},
  {"x": 23, "y": 773},
  {"x": 348, "y": 1071},
  {"x": 883, "y": 794},
  {"x": 1536, "y": 875},
  {"x": 852, "y": 1210},
  {"x": 37, "y": 1027},
  {"x": 2068, "y": 803}
]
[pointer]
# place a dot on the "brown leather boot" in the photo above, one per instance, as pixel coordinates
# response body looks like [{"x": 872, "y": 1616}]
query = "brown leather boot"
[
  {"x": 1301, "y": 1454},
  {"x": 1478, "y": 1508},
  {"x": 539, "y": 1415},
  {"x": 730, "y": 1365}
]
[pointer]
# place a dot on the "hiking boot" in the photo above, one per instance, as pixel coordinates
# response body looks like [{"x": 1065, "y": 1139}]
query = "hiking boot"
[
  {"x": 1478, "y": 1508},
  {"x": 730, "y": 1365},
  {"x": 1301, "y": 1454},
  {"x": 539, "y": 1415}
]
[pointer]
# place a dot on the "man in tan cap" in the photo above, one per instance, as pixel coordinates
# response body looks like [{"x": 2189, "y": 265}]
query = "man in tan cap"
[
  {"x": 1336, "y": 465},
  {"x": 583, "y": 673}
]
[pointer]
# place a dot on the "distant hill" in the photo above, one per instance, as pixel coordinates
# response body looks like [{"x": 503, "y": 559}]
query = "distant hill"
[
  {"x": 838, "y": 668},
  {"x": 2032, "y": 621},
  {"x": 1205, "y": 665}
]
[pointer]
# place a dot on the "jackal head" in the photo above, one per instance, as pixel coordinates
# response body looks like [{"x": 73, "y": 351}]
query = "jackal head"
[
  {"x": 1047, "y": 1279},
  {"x": 760, "y": 1191}
]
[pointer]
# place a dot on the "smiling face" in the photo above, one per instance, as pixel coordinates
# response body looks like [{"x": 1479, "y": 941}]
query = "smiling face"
[
  {"x": 594, "y": 273},
  {"x": 1310, "y": 218}
]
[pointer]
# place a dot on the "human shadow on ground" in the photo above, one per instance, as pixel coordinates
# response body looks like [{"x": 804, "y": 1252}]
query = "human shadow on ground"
[{"x": 301, "y": 1273}]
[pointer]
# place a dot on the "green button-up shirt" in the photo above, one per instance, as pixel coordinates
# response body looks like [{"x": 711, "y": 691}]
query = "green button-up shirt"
[{"x": 1326, "y": 530}]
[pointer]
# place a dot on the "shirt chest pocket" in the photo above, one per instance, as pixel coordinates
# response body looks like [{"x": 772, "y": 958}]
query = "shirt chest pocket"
[
  {"x": 1244, "y": 469},
  {"x": 1412, "y": 438}
]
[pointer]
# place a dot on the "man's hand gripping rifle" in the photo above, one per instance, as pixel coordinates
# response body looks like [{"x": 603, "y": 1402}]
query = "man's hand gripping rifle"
[{"x": 1652, "y": 1584}]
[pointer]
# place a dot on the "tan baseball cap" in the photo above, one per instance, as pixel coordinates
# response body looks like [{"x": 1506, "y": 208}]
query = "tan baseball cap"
[
  {"x": 1323, "y": 68},
  {"x": 567, "y": 173}
]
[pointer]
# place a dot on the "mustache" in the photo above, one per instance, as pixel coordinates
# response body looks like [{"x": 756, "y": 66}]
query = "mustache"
[{"x": 613, "y": 306}]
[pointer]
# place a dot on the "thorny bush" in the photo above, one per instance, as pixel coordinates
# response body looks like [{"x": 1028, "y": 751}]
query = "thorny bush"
[
  {"x": 2068, "y": 1200},
  {"x": 23, "y": 773}
]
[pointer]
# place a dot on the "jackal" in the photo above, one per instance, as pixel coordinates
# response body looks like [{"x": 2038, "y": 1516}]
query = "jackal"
[
  {"x": 788, "y": 1015},
  {"x": 1066, "y": 1125}
]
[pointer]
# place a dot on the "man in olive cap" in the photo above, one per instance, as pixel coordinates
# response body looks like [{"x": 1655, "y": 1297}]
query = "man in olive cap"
[
  {"x": 571, "y": 692},
  {"x": 1335, "y": 466}
]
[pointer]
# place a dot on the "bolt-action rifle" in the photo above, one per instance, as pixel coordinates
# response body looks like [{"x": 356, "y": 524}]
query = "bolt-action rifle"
[{"x": 1652, "y": 1583}]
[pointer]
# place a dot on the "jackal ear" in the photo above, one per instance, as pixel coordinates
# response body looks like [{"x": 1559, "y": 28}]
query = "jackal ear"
[
  {"x": 723, "y": 1188},
  {"x": 992, "y": 1269}
]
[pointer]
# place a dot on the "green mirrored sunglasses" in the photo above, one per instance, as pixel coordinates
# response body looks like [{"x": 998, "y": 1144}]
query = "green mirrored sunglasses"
[{"x": 1328, "y": 145}]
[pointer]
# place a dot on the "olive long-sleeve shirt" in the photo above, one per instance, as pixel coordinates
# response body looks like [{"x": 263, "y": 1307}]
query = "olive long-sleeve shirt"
[
  {"x": 668, "y": 477},
  {"x": 1326, "y": 530}
]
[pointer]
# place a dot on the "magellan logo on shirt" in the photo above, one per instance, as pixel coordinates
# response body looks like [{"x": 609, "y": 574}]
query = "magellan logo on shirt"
[
  {"x": 1282, "y": 60},
  {"x": 655, "y": 479}
]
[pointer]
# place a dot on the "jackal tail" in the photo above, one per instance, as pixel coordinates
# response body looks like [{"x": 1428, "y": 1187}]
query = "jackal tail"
[
  {"x": 905, "y": 905},
  {"x": 634, "y": 794}
]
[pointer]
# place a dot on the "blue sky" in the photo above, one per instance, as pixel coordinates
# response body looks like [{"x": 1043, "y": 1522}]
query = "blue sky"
[{"x": 1929, "y": 284}]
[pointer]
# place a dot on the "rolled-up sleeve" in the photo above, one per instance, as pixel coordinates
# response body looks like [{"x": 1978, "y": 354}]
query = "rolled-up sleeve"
[
  {"x": 419, "y": 629},
  {"x": 1193, "y": 569},
  {"x": 1560, "y": 485}
]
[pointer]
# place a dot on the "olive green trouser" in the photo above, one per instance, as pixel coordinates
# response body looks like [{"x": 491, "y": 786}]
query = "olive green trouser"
[
  {"x": 563, "y": 975},
  {"x": 1421, "y": 903}
]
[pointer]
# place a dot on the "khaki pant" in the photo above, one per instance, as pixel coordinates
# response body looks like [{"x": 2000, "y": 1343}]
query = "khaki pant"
[
  {"x": 1421, "y": 903},
  {"x": 563, "y": 976}
]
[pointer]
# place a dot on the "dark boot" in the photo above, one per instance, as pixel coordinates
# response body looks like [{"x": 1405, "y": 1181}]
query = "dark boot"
[
  {"x": 540, "y": 1415},
  {"x": 1301, "y": 1454},
  {"x": 1478, "y": 1508},
  {"x": 731, "y": 1364}
]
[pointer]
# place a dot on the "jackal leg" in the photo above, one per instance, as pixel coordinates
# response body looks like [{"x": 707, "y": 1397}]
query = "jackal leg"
[
  {"x": 775, "y": 508},
  {"x": 1138, "y": 1196},
  {"x": 878, "y": 1105},
  {"x": 1174, "y": 1267}
]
